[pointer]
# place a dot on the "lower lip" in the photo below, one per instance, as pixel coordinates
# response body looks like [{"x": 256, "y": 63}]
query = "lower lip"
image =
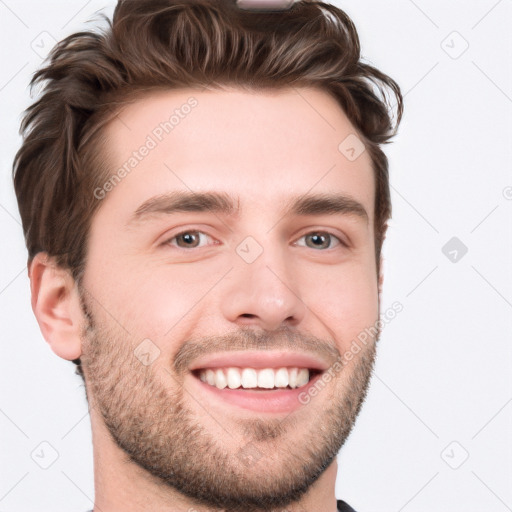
[{"x": 278, "y": 401}]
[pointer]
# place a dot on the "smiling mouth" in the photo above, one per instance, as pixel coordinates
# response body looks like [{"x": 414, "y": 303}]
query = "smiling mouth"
[{"x": 256, "y": 379}]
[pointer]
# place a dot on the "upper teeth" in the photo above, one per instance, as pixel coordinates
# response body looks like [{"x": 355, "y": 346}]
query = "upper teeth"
[{"x": 267, "y": 378}]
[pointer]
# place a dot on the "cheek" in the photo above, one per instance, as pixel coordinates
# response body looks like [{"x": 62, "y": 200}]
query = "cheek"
[
  {"x": 346, "y": 302},
  {"x": 161, "y": 300}
]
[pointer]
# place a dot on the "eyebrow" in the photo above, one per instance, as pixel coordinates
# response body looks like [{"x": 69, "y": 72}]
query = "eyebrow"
[{"x": 222, "y": 203}]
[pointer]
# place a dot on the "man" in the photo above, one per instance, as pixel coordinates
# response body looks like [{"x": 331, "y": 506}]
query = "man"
[{"x": 204, "y": 201}]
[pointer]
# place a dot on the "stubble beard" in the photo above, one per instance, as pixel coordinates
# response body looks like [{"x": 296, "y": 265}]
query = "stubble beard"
[{"x": 148, "y": 416}]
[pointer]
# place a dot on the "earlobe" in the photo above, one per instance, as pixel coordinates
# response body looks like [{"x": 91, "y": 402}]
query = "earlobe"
[{"x": 56, "y": 306}]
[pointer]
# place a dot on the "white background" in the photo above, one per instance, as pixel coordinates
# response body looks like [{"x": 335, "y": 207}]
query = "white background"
[{"x": 442, "y": 389}]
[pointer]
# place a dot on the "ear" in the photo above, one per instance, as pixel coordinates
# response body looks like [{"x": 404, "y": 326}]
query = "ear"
[{"x": 56, "y": 306}]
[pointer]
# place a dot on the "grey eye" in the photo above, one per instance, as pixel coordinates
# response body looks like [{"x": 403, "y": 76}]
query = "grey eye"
[{"x": 320, "y": 240}]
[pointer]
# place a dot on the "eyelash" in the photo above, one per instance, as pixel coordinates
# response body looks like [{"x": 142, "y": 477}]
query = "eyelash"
[{"x": 332, "y": 235}]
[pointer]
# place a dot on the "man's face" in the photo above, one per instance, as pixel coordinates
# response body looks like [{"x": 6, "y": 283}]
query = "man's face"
[{"x": 263, "y": 285}]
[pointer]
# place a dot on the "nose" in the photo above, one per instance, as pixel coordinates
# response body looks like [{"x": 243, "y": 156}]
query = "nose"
[{"x": 264, "y": 293}]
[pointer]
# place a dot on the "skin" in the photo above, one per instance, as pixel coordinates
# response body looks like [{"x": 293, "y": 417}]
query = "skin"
[{"x": 158, "y": 443}]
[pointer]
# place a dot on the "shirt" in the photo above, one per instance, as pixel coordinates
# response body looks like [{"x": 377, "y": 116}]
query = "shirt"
[{"x": 342, "y": 507}]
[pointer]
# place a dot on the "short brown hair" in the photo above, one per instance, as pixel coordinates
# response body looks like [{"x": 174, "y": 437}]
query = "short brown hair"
[{"x": 168, "y": 44}]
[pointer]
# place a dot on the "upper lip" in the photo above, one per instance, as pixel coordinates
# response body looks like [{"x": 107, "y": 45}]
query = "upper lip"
[{"x": 260, "y": 359}]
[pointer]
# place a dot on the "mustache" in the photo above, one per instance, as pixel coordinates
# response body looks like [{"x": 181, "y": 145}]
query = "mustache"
[{"x": 283, "y": 338}]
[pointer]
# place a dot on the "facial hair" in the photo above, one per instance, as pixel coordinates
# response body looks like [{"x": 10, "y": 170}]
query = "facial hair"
[{"x": 147, "y": 413}]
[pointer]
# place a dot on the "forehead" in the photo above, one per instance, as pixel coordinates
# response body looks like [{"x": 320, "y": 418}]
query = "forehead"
[{"x": 260, "y": 147}]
